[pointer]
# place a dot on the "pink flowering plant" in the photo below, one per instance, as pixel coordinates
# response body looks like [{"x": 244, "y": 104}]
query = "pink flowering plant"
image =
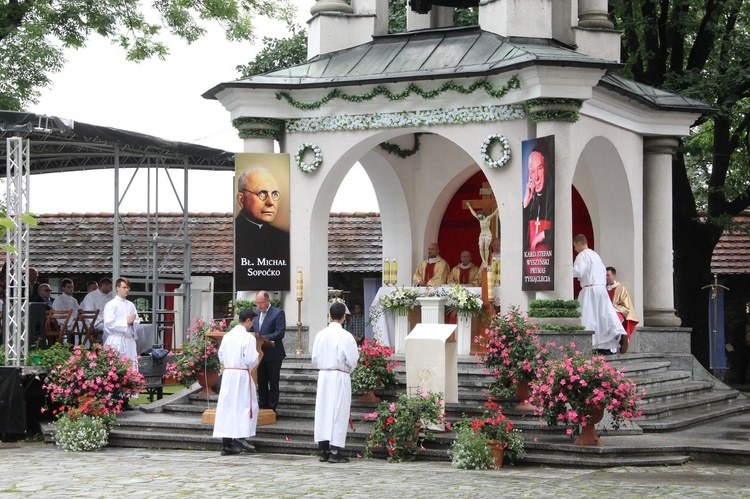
[
  {"x": 95, "y": 380},
  {"x": 200, "y": 354},
  {"x": 376, "y": 368},
  {"x": 566, "y": 391},
  {"x": 396, "y": 425},
  {"x": 511, "y": 351}
]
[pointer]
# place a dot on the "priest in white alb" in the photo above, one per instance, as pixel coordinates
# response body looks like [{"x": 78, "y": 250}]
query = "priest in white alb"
[
  {"x": 597, "y": 312},
  {"x": 335, "y": 354},
  {"x": 237, "y": 409},
  {"x": 121, "y": 322}
]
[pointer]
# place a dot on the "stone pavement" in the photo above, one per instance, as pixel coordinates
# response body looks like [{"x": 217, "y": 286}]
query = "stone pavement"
[{"x": 36, "y": 470}]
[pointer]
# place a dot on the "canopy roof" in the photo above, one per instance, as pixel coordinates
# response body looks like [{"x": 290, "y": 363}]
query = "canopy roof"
[
  {"x": 58, "y": 144},
  {"x": 449, "y": 53}
]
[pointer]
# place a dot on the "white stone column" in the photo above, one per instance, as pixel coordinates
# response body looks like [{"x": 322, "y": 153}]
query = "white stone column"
[
  {"x": 594, "y": 14},
  {"x": 658, "y": 285},
  {"x": 433, "y": 309},
  {"x": 331, "y": 6}
]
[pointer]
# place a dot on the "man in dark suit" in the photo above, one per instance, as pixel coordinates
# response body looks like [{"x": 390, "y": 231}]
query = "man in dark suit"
[
  {"x": 271, "y": 325},
  {"x": 44, "y": 296},
  {"x": 261, "y": 249}
]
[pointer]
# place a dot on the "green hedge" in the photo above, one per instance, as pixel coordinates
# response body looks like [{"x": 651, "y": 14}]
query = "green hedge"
[
  {"x": 568, "y": 304},
  {"x": 554, "y": 312},
  {"x": 559, "y": 327}
]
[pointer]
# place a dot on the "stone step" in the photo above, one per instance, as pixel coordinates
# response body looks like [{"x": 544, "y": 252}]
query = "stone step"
[
  {"x": 682, "y": 419},
  {"x": 665, "y": 393},
  {"x": 696, "y": 403},
  {"x": 672, "y": 378}
]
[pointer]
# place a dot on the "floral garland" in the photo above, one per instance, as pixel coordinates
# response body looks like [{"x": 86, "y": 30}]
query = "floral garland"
[
  {"x": 398, "y": 151},
  {"x": 553, "y": 109},
  {"x": 496, "y": 93},
  {"x": 311, "y": 167},
  {"x": 461, "y": 115},
  {"x": 487, "y": 145}
]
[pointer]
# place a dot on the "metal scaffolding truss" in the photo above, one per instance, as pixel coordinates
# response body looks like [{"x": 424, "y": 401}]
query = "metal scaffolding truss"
[{"x": 31, "y": 144}]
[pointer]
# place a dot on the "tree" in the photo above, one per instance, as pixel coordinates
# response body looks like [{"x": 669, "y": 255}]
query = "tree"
[
  {"x": 31, "y": 32},
  {"x": 699, "y": 49}
]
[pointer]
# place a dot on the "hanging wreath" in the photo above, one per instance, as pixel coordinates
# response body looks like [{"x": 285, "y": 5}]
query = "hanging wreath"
[
  {"x": 487, "y": 145},
  {"x": 317, "y": 160}
]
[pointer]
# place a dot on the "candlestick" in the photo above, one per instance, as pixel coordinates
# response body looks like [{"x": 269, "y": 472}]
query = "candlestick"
[
  {"x": 394, "y": 272},
  {"x": 490, "y": 284},
  {"x": 299, "y": 283},
  {"x": 386, "y": 272}
]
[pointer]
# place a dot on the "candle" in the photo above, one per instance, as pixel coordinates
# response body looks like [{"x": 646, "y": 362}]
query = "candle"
[
  {"x": 496, "y": 271},
  {"x": 386, "y": 272},
  {"x": 490, "y": 284},
  {"x": 394, "y": 272},
  {"x": 299, "y": 283}
]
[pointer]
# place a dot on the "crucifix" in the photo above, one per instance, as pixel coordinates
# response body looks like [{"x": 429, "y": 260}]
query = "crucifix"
[{"x": 487, "y": 208}]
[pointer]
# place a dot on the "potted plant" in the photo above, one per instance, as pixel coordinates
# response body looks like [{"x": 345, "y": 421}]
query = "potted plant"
[
  {"x": 85, "y": 427},
  {"x": 197, "y": 360},
  {"x": 375, "y": 369},
  {"x": 497, "y": 431},
  {"x": 576, "y": 390},
  {"x": 400, "y": 300},
  {"x": 397, "y": 425},
  {"x": 512, "y": 354},
  {"x": 98, "y": 372},
  {"x": 470, "y": 450}
]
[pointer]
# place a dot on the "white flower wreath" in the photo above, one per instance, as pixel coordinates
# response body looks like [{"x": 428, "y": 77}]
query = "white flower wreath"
[
  {"x": 311, "y": 167},
  {"x": 487, "y": 144}
]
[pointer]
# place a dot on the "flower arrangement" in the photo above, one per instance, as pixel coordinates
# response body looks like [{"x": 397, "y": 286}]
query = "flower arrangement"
[
  {"x": 199, "y": 355},
  {"x": 99, "y": 373},
  {"x": 487, "y": 145},
  {"x": 397, "y": 424},
  {"x": 400, "y": 300},
  {"x": 496, "y": 427},
  {"x": 567, "y": 390},
  {"x": 460, "y": 301},
  {"x": 470, "y": 450},
  {"x": 375, "y": 368},
  {"x": 512, "y": 350},
  {"x": 81, "y": 433},
  {"x": 316, "y": 162}
]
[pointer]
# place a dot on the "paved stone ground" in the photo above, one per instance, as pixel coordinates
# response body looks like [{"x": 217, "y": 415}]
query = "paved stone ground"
[{"x": 36, "y": 470}]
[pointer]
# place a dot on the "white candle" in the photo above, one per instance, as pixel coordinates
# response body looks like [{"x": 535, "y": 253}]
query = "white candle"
[
  {"x": 386, "y": 272},
  {"x": 490, "y": 284},
  {"x": 299, "y": 283},
  {"x": 394, "y": 272}
]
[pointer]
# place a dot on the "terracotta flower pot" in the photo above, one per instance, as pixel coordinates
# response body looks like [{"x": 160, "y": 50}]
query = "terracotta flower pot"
[
  {"x": 523, "y": 393},
  {"x": 207, "y": 380},
  {"x": 369, "y": 397},
  {"x": 498, "y": 452},
  {"x": 588, "y": 432}
]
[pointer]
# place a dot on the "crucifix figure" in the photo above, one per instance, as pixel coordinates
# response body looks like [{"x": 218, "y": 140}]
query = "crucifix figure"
[{"x": 485, "y": 233}]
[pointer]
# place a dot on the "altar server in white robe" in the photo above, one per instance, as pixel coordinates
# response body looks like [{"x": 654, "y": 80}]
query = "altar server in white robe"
[
  {"x": 335, "y": 354},
  {"x": 597, "y": 312},
  {"x": 237, "y": 409},
  {"x": 121, "y": 322}
]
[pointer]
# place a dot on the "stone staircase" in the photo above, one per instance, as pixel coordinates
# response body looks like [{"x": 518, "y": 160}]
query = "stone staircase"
[{"x": 679, "y": 394}]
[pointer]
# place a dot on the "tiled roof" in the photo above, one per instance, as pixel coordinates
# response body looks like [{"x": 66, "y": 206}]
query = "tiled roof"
[
  {"x": 82, "y": 242},
  {"x": 732, "y": 253},
  {"x": 355, "y": 242}
]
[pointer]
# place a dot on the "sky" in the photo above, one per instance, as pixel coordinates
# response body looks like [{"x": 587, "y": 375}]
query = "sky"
[{"x": 161, "y": 98}]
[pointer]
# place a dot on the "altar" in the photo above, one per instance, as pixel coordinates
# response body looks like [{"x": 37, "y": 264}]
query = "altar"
[{"x": 384, "y": 323}]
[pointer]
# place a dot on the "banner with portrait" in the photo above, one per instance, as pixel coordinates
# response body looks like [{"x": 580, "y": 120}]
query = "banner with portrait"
[
  {"x": 261, "y": 222},
  {"x": 538, "y": 181}
]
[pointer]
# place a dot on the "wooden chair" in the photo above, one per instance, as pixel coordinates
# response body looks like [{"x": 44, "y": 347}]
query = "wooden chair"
[
  {"x": 56, "y": 325},
  {"x": 83, "y": 328}
]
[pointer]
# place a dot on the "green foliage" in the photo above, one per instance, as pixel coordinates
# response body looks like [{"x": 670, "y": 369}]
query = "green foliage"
[
  {"x": 31, "y": 33},
  {"x": 553, "y": 312},
  {"x": 495, "y": 427},
  {"x": 375, "y": 368},
  {"x": 53, "y": 357},
  {"x": 567, "y": 304},
  {"x": 470, "y": 450},
  {"x": 240, "y": 305},
  {"x": 559, "y": 327},
  {"x": 397, "y": 424},
  {"x": 278, "y": 53}
]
